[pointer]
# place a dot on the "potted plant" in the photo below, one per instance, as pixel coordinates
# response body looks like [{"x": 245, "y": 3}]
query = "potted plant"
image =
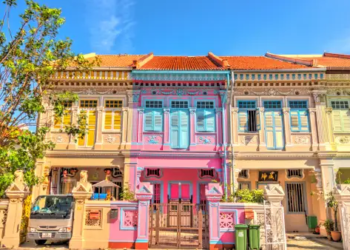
[
  {"x": 329, "y": 226},
  {"x": 333, "y": 204}
]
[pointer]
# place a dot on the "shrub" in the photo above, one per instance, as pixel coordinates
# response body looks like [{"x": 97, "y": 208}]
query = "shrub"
[{"x": 250, "y": 196}]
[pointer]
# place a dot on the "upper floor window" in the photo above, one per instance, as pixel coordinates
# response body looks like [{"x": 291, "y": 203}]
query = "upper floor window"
[
  {"x": 248, "y": 116},
  {"x": 179, "y": 104},
  {"x": 272, "y": 104},
  {"x": 153, "y": 120},
  {"x": 65, "y": 120},
  {"x": 113, "y": 114},
  {"x": 341, "y": 115},
  {"x": 299, "y": 116},
  {"x": 89, "y": 139},
  {"x": 205, "y": 116}
]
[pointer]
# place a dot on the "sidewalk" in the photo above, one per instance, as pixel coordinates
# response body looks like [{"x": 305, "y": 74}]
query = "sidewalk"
[{"x": 311, "y": 241}]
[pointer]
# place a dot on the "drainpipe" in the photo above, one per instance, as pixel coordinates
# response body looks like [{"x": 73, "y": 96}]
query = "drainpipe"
[
  {"x": 223, "y": 103},
  {"x": 231, "y": 122}
]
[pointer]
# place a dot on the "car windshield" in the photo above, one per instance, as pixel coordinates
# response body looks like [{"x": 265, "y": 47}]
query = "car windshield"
[{"x": 52, "y": 204}]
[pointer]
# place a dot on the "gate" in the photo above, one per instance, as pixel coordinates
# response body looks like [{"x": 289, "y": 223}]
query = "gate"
[
  {"x": 178, "y": 225},
  {"x": 274, "y": 227}
]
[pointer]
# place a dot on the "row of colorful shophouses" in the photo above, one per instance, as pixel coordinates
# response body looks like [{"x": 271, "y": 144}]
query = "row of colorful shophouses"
[{"x": 180, "y": 134}]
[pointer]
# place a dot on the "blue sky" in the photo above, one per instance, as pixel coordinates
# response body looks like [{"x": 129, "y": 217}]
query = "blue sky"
[{"x": 195, "y": 27}]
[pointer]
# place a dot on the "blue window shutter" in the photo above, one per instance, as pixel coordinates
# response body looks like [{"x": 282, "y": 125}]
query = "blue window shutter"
[
  {"x": 184, "y": 135},
  {"x": 243, "y": 121},
  {"x": 200, "y": 120},
  {"x": 258, "y": 121},
  {"x": 174, "y": 129},
  {"x": 158, "y": 120},
  {"x": 210, "y": 120},
  {"x": 148, "y": 120},
  {"x": 304, "y": 120}
]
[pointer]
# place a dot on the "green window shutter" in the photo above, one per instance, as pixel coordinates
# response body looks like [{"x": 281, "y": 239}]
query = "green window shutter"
[
  {"x": 269, "y": 128},
  {"x": 158, "y": 120},
  {"x": 184, "y": 135},
  {"x": 210, "y": 120},
  {"x": 337, "y": 123},
  {"x": 243, "y": 121},
  {"x": 175, "y": 129},
  {"x": 200, "y": 120}
]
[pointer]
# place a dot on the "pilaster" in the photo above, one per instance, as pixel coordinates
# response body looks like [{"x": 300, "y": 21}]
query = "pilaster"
[
  {"x": 262, "y": 142},
  {"x": 342, "y": 196},
  {"x": 313, "y": 127},
  {"x": 287, "y": 130},
  {"x": 192, "y": 127},
  {"x": 234, "y": 125},
  {"x": 99, "y": 124},
  {"x": 166, "y": 129}
]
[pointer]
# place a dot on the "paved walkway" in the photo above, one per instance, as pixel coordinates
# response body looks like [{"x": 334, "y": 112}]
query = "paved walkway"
[{"x": 309, "y": 241}]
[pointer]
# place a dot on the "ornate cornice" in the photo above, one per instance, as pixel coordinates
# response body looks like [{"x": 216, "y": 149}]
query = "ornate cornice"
[{"x": 275, "y": 155}]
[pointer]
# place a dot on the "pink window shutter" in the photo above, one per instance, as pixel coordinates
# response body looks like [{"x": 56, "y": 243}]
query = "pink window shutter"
[
  {"x": 185, "y": 191},
  {"x": 174, "y": 191}
]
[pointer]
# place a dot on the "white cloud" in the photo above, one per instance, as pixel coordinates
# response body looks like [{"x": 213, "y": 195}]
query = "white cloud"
[
  {"x": 110, "y": 25},
  {"x": 341, "y": 45}
]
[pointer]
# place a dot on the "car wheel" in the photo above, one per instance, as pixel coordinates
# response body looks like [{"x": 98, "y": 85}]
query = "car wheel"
[{"x": 40, "y": 242}]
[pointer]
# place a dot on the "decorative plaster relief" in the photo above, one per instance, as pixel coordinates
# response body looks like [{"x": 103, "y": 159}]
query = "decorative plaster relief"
[
  {"x": 301, "y": 139},
  {"x": 110, "y": 139},
  {"x": 343, "y": 139},
  {"x": 154, "y": 139},
  {"x": 248, "y": 139},
  {"x": 205, "y": 139}
]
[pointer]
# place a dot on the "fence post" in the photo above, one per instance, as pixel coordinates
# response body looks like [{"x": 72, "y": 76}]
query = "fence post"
[
  {"x": 81, "y": 192},
  {"x": 213, "y": 194},
  {"x": 342, "y": 196},
  {"x": 143, "y": 195},
  {"x": 274, "y": 194},
  {"x": 16, "y": 193}
]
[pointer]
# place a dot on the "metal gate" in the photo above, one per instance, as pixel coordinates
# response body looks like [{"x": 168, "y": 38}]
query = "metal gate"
[
  {"x": 345, "y": 224},
  {"x": 274, "y": 227},
  {"x": 178, "y": 225}
]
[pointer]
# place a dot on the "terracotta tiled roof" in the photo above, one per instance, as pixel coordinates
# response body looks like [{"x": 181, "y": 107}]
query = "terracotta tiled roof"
[
  {"x": 258, "y": 63},
  {"x": 118, "y": 60},
  {"x": 327, "y": 60},
  {"x": 180, "y": 63}
]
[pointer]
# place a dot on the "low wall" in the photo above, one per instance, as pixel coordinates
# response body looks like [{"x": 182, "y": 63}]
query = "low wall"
[
  {"x": 3, "y": 216},
  {"x": 110, "y": 224}
]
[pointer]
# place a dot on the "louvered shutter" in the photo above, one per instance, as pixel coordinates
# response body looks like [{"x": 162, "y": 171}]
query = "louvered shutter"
[
  {"x": 243, "y": 121},
  {"x": 108, "y": 119},
  {"x": 304, "y": 120},
  {"x": 57, "y": 122},
  {"x": 158, "y": 120},
  {"x": 269, "y": 129},
  {"x": 175, "y": 129},
  {"x": 210, "y": 120},
  {"x": 294, "y": 120},
  {"x": 346, "y": 120},
  {"x": 148, "y": 120},
  {"x": 200, "y": 120},
  {"x": 91, "y": 126},
  {"x": 258, "y": 121},
  {"x": 279, "y": 140},
  {"x": 67, "y": 117},
  {"x": 117, "y": 120},
  {"x": 337, "y": 124},
  {"x": 184, "y": 135}
]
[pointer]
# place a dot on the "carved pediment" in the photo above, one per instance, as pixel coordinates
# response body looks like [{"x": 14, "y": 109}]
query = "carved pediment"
[{"x": 273, "y": 189}]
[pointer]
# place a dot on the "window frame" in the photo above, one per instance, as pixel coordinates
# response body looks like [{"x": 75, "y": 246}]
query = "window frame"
[
  {"x": 62, "y": 125},
  {"x": 304, "y": 197},
  {"x": 299, "y": 110},
  {"x": 245, "y": 110},
  {"x": 343, "y": 129},
  {"x": 153, "y": 114},
  {"x": 113, "y": 110},
  {"x": 205, "y": 129},
  {"x": 88, "y": 110},
  {"x": 186, "y": 110}
]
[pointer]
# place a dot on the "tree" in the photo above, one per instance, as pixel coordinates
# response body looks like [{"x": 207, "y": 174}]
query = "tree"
[{"x": 28, "y": 57}]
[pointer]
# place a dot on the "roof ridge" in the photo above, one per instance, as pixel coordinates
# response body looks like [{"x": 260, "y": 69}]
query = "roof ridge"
[
  {"x": 342, "y": 56},
  {"x": 309, "y": 63},
  {"x": 217, "y": 60}
]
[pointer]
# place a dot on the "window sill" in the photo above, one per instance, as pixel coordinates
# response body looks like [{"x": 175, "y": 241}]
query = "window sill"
[
  {"x": 300, "y": 133},
  {"x": 153, "y": 132},
  {"x": 207, "y": 133},
  {"x": 111, "y": 131},
  {"x": 248, "y": 133}
]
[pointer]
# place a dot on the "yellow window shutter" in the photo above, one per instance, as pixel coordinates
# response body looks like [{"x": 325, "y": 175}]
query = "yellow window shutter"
[
  {"x": 92, "y": 119},
  {"x": 91, "y": 138},
  {"x": 346, "y": 120},
  {"x": 57, "y": 122},
  {"x": 108, "y": 120},
  {"x": 337, "y": 125},
  {"x": 117, "y": 120},
  {"x": 67, "y": 118}
]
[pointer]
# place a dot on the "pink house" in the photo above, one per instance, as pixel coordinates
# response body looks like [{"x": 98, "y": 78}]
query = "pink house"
[{"x": 178, "y": 143}]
